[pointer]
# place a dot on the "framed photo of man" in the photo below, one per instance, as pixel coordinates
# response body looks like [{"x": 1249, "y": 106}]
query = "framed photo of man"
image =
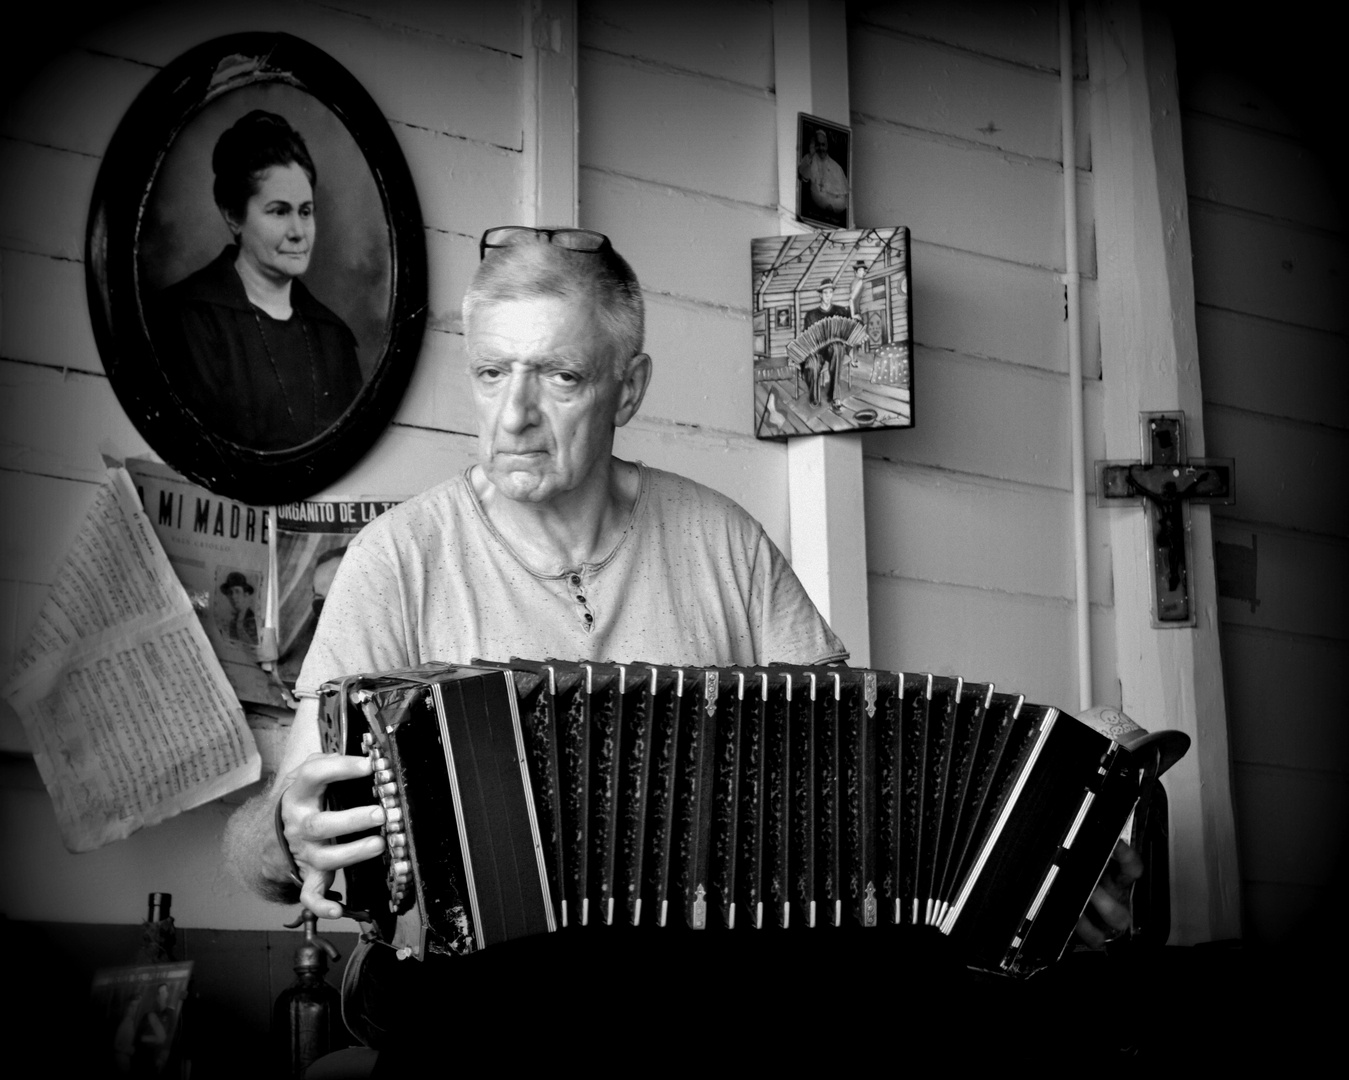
[
  {"x": 256, "y": 267},
  {"x": 823, "y": 172}
]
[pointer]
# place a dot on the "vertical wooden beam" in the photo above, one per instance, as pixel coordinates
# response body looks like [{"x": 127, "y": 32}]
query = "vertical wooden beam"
[
  {"x": 548, "y": 114},
  {"x": 1150, "y": 362},
  {"x": 824, "y": 472}
]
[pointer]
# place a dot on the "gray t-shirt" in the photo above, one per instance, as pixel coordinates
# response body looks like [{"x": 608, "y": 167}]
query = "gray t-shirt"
[{"x": 694, "y": 580}]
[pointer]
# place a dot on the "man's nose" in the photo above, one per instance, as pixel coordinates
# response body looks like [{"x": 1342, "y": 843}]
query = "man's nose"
[{"x": 519, "y": 408}]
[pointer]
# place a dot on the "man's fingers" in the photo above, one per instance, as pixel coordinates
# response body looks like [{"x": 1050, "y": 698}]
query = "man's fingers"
[
  {"x": 330, "y": 857},
  {"x": 1089, "y": 933},
  {"x": 309, "y": 779},
  {"x": 313, "y": 896},
  {"x": 1129, "y": 864},
  {"x": 330, "y": 824}
]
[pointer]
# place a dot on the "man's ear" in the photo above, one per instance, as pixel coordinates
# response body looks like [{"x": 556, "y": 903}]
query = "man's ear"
[{"x": 635, "y": 381}]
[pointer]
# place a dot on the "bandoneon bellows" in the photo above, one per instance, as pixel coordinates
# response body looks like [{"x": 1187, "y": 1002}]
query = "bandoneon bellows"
[{"x": 530, "y": 797}]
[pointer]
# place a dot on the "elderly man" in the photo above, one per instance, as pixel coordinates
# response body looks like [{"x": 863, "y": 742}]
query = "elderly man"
[{"x": 548, "y": 546}]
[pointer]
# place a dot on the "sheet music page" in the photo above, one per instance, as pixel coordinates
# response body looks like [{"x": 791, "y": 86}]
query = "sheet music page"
[{"x": 129, "y": 714}]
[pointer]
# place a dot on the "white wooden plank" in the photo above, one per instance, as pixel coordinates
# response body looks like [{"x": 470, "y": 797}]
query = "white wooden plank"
[
  {"x": 726, "y": 39},
  {"x": 1301, "y": 582},
  {"x": 1292, "y": 823},
  {"x": 1285, "y": 702},
  {"x": 45, "y": 310},
  {"x": 942, "y": 527},
  {"x": 1260, "y": 172},
  {"x": 75, "y": 102},
  {"x": 678, "y": 242},
  {"x": 439, "y": 394},
  {"x": 702, "y": 370},
  {"x": 44, "y": 199},
  {"x": 983, "y": 417},
  {"x": 963, "y": 95},
  {"x": 1019, "y": 315},
  {"x": 1272, "y": 367},
  {"x": 1265, "y": 268},
  {"x": 426, "y": 81},
  {"x": 1148, "y": 340},
  {"x": 1022, "y": 33},
  {"x": 60, "y": 424},
  {"x": 43, "y": 515},
  {"x": 966, "y": 197},
  {"x": 1283, "y": 467},
  {"x": 451, "y": 261},
  {"x": 1023, "y": 645},
  {"x": 691, "y": 133},
  {"x": 473, "y": 22},
  {"x": 462, "y": 186}
]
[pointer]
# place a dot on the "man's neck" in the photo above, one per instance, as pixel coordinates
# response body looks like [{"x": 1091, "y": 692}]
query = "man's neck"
[{"x": 583, "y": 526}]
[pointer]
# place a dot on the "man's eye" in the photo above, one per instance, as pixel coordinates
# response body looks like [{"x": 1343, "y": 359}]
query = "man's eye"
[
  {"x": 488, "y": 374},
  {"x": 565, "y": 378}
]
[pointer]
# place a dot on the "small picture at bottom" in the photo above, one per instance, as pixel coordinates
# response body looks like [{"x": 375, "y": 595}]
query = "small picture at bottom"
[{"x": 833, "y": 332}]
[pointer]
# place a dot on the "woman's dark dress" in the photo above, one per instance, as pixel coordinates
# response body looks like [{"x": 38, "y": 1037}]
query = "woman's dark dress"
[{"x": 262, "y": 383}]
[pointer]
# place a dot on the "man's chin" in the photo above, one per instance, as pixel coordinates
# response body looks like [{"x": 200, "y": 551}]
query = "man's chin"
[{"x": 520, "y": 485}]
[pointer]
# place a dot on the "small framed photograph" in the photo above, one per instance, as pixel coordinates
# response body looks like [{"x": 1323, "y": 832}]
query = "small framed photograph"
[
  {"x": 833, "y": 337},
  {"x": 823, "y": 172},
  {"x": 140, "y": 1010}
]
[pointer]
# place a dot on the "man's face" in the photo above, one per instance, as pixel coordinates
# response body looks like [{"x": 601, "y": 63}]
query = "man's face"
[
  {"x": 546, "y": 396},
  {"x": 821, "y": 143},
  {"x": 238, "y": 597},
  {"x": 826, "y": 297}
]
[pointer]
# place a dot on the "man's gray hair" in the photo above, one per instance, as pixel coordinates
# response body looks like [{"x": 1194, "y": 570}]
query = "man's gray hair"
[{"x": 535, "y": 268}]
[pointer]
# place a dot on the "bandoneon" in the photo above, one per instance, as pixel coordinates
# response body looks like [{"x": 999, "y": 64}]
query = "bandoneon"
[{"x": 531, "y": 797}]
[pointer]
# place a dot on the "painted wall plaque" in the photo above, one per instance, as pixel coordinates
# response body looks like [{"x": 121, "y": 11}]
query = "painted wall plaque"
[{"x": 833, "y": 332}]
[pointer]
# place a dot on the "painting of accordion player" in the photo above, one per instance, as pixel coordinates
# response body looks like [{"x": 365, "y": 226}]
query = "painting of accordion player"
[{"x": 833, "y": 332}]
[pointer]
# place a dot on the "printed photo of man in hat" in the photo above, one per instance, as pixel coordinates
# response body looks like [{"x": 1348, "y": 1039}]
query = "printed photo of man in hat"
[{"x": 235, "y": 618}]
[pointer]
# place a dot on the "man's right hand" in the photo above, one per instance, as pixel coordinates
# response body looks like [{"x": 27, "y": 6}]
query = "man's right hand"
[{"x": 310, "y": 830}]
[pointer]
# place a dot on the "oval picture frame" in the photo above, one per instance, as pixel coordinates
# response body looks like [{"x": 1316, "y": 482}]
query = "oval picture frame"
[{"x": 153, "y": 223}]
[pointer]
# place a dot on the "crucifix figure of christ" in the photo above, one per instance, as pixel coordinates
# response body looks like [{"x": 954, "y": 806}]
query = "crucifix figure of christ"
[{"x": 1166, "y": 484}]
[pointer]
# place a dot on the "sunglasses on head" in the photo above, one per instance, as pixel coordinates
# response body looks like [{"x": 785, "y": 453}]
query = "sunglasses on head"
[{"x": 504, "y": 236}]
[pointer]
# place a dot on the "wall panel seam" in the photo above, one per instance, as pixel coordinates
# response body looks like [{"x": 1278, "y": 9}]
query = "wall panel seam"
[
  {"x": 961, "y": 50},
  {"x": 675, "y": 189},
  {"x": 1221, "y": 209},
  {"x": 642, "y": 63},
  {"x": 1276, "y": 418},
  {"x": 1054, "y": 165},
  {"x": 1291, "y": 637},
  {"x": 1210, "y": 306}
]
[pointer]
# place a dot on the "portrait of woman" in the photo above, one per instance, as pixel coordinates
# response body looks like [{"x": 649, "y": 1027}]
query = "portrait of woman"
[
  {"x": 256, "y": 267},
  {"x": 258, "y": 358}
]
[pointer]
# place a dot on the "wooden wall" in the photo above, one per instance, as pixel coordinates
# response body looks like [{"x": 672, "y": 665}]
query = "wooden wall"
[
  {"x": 955, "y": 111},
  {"x": 447, "y": 77},
  {"x": 678, "y": 165},
  {"x": 1267, "y": 221}
]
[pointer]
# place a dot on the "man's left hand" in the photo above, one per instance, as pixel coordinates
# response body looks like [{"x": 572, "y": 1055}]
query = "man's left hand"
[{"x": 1107, "y": 915}]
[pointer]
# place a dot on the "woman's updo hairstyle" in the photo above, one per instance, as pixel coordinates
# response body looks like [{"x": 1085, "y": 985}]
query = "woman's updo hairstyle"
[{"x": 245, "y": 151}]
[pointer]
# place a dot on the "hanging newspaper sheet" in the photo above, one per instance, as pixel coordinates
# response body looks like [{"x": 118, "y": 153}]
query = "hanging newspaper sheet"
[{"x": 128, "y": 712}]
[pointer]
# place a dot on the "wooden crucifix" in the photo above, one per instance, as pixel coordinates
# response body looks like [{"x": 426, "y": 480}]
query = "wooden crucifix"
[{"x": 1166, "y": 484}]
